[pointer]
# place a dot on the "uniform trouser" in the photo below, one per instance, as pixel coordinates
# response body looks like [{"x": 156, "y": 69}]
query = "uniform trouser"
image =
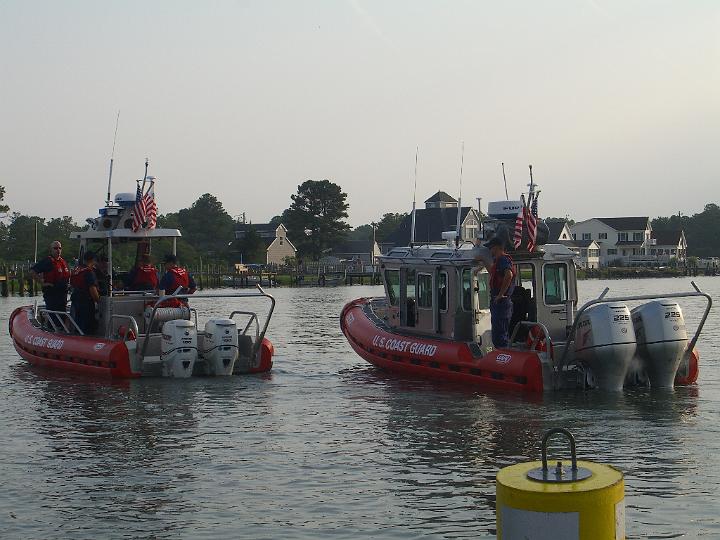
[
  {"x": 83, "y": 311},
  {"x": 55, "y": 300},
  {"x": 500, "y": 314}
]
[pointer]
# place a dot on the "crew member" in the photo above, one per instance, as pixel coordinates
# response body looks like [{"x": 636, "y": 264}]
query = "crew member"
[
  {"x": 143, "y": 277},
  {"x": 176, "y": 276},
  {"x": 54, "y": 274},
  {"x": 502, "y": 283},
  {"x": 85, "y": 295}
]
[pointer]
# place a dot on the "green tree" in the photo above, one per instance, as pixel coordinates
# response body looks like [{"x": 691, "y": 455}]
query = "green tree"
[
  {"x": 207, "y": 227},
  {"x": 567, "y": 220},
  {"x": 361, "y": 232},
  {"x": 315, "y": 219},
  {"x": 3, "y": 207},
  {"x": 700, "y": 230},
  {"x": 250, "y": 248},
  {"x": 387, "y": 225}
]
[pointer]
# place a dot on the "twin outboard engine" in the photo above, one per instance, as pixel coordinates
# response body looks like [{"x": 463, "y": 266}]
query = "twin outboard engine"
[
  {"x": 605, "y": 343},
  {"x": 220, "y": 346},
  {"x": 661, "y": 339},
  {"x": 178, "y": 349}
]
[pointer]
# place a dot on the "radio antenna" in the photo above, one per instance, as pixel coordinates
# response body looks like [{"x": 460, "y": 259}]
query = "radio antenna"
[
  {"x": 462, "y": 160},
  {"x": 412, "y": 221},
  {"x": 507, "y": 197},
  {"x": 112, "y": 156}
]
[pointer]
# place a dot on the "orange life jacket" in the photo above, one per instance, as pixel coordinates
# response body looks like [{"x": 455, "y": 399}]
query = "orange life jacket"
[{"x": 60, "y": 273}]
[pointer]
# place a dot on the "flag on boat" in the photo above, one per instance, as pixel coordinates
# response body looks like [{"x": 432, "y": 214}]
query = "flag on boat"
[
  {"x": 531, "y": 218},
  {"x": 145, "y": 210},
  {"x": 150, "y": 207},
  {"x": 517, "y": 237},
  {"x": 138, "y": 210}
]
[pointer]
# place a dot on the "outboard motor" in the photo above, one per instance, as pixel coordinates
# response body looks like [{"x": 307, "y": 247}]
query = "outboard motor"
[
  {"x": 221, "y": 346},
  {"x": 178, "y": 350},
  {"x": 662, "y": 340},
  {"x": 605, "y": 343}
]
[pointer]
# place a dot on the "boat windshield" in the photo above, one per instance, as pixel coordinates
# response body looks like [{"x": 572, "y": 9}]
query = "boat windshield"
[{"x": 392, "y": 283}]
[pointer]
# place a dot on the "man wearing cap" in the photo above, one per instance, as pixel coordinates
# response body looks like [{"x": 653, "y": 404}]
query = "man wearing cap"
[
  {"x": 176, "y": 276},
  {"x": 54, "y": 273},
  {"x": 502, "y": 283},
  {"x": 85, "y": 295}
]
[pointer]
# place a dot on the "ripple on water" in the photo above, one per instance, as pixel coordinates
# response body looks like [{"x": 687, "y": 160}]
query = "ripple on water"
[{"x": 327, "y": 446}]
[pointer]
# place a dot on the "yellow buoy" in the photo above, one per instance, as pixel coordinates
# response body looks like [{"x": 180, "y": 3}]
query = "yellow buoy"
[{"x": 584, "y": 501}]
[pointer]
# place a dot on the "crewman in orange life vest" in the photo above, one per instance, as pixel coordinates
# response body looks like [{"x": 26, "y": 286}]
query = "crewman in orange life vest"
[
  {"x": 176, "y": 276},
  {"x": 85, "y": 295},
  {"x": 55, "y": 276},
  {"x": 144, "y": 276}
]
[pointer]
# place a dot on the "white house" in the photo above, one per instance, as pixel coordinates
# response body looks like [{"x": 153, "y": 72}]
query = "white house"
[
  {"x": 277, "y": 245},
  {"x": 588, "y": 251},
  {"x": 666, "y": 245},
  {"x": 622, "y": 241}
]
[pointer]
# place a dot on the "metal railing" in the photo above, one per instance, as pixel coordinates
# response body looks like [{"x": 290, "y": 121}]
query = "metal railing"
[
  {"x": 602, "y": 300},
  {"x": 176, "y": 295}
]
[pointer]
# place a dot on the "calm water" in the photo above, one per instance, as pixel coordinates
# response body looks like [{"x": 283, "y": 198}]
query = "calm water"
[{"x": 326, "y": 446}]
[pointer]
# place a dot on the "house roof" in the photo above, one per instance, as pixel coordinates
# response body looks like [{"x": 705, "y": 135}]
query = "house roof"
[
  {"x": 626, "y": 223},
  {"x": 441, "y": 196},
  {"x": 355, "y": 246},
  {"x": 555, "y": 227},
  {"x": 667, "y": 238},
  {"x": 629, "y": 243},
  {"x": 429, "y": 225},
  {"x": 582, "y": 243},
  {"x": 259, "y": 227}
]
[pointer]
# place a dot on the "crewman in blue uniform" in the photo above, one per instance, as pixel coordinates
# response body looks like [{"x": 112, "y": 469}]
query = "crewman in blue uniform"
[
  {"x": 502, "y": 284},
  {"x": 176, "y": 276},
  {"x": 85, "y": 295}
]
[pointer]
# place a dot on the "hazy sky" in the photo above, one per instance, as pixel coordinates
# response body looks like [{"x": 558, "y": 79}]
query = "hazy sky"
[{"x": 615, "y": 103}]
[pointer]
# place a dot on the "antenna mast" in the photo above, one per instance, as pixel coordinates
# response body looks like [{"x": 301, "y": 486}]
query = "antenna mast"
[
  {"x": 412, "y": 222},
  {"x": 507, "y": 197},
  {"x": 112, "y": 156},
  {"x": 462, "y": 160}
]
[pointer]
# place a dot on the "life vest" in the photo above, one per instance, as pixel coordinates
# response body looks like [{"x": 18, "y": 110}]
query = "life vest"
[
  {"x": 180, "y": 278},
  {"x": 496, "y": 278},
  {"x": 60, "y": 273},
  {"x": 145, "y": 275},
  {"x": 78, "y": 278}
]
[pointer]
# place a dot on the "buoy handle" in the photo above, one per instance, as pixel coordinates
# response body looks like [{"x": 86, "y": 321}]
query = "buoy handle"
[{"x": 545, "y": 440}]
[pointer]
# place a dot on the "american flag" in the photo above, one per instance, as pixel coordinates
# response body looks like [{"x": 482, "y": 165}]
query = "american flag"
[
  {"x": 517, "y": 237},
  {"x": 150, "y": 207},
  {"x": 138, "y": 210},
  {"x": 531, "y": 216}
]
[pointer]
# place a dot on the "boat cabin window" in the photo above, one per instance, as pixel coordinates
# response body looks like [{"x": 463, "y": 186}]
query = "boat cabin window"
[
  {"x": 424, "y": 290},
  {"x": 442, "y": 291},
  {"x": 466, "y": 289},
  {"x": 392, "y": 284},
  {"x": 523, "y": 296},
  {"x": 483, "y": 281},
  {"x": 556, "y": 285}
]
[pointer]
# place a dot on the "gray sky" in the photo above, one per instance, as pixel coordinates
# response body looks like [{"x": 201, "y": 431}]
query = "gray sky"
[{"x": 615, "y": 103}]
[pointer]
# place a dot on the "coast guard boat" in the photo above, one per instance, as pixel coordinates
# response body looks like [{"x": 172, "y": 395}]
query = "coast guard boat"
[
  {"x": 136, "y": 335},
  {"x": 434, "y": 320}
]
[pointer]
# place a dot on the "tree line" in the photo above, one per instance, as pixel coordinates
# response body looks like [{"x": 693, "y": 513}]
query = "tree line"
[{"x": 315, "y": 219}]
